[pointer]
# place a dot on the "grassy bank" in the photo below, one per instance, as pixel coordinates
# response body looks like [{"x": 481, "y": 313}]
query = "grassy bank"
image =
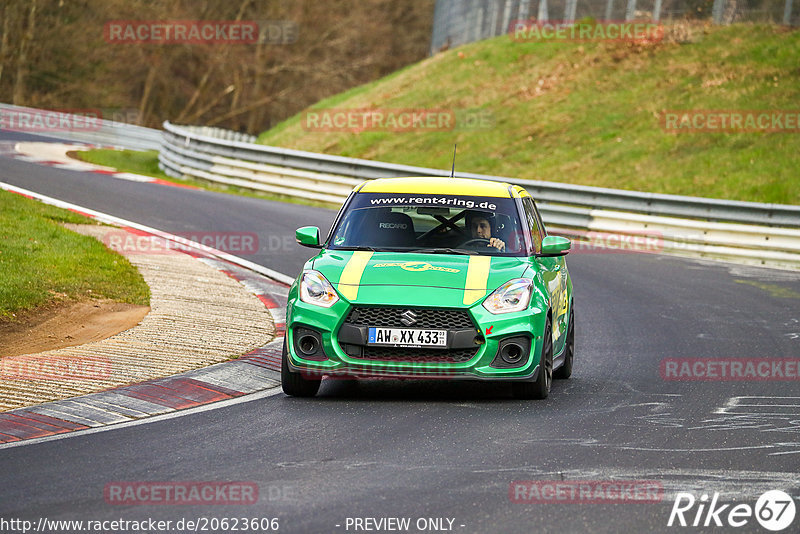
[
  {"x": 146, "y": 163},
  {"x": 41, "y": 262},
  {"x": 590, "y": 112},
  {"x": 138, "y": 162}
]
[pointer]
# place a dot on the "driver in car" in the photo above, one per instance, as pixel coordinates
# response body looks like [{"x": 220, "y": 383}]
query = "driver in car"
[{"x": 481, "y": 226}]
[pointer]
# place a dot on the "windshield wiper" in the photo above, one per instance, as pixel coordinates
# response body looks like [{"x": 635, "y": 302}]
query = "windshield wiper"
[{"x": 463, "y": 251}]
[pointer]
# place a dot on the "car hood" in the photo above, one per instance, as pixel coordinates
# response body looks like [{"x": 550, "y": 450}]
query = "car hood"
[{"x": 439, "y": 279}]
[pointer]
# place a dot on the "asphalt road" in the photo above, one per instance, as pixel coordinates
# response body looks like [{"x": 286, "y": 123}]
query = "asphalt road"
[{"x": 445, "y": 449}]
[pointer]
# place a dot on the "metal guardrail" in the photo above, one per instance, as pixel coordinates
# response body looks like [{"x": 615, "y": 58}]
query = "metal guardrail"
[
  {"x": 743, "y": 231},
  {"x": 100, "y": 132},
  {"x": 192, "y": 145}
]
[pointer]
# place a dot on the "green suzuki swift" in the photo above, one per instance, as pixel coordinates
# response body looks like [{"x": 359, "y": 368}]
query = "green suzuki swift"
[{"x": 432, "y": 278}]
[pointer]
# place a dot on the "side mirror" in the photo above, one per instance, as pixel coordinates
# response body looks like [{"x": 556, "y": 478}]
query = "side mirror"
[
  {"x": 553, "y": 245},
  {"x": 308, "y": 236}
]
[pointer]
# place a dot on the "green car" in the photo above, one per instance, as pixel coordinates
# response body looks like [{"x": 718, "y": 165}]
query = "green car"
[{"x": 432, "y": 278}]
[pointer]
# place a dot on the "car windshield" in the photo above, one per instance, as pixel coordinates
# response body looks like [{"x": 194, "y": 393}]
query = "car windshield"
[{"x": 444, "y": 224}]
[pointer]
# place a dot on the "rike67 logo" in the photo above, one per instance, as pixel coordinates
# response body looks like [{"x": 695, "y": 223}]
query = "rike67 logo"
[{"x": 774, "y": 510}]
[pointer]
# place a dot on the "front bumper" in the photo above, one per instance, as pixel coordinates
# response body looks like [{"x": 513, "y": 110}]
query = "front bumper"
[{"x": 343, "y": 352}]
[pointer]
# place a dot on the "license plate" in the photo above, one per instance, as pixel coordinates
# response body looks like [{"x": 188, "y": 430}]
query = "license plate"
[{"x": 407, "y": 337}]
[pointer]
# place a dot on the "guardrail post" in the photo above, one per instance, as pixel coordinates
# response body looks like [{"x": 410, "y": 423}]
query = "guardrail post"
[
  {"x": 524, "y": 10},
  {"x": 478, "y": 24},
  {"x": 493, "y": 20},
  {"x": 657, "y": 10},
  {"x": 569, "y": 10},
  {"x": 542, "y": 15},
  {"x": 716, "y": 11},
  {"x": 506, "y": 17},
  {"x": 440, "y": 25},
  {"x": 630, "y": 12}
]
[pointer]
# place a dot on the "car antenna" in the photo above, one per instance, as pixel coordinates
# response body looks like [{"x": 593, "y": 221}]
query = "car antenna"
[{"x": 453, "y": 172}]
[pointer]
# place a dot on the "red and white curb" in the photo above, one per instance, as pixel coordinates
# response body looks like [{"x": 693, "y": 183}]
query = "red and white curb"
[
  {"x": 254, "y": 372},
  {"x": 55, "y": 155}
]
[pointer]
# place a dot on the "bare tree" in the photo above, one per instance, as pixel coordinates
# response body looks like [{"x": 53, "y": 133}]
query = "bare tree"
[
  {"x": 67, "y": 61},
  {"x": 22, "y": 58},
  {"x": 8, "y": 17}
]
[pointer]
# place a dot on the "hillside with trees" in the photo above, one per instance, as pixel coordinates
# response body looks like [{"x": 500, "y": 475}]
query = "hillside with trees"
[{"x": 54, "y": 54}]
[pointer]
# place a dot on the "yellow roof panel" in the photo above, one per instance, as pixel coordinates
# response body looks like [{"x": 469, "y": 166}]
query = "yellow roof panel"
[
  {"x": 437, "y": 186},
  {"x": 521, "y": 193}
]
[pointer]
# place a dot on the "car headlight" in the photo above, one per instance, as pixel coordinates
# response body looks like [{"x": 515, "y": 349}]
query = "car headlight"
[
  {"x": 513, "y": 296},
  {"x": 315, "y": 289}
]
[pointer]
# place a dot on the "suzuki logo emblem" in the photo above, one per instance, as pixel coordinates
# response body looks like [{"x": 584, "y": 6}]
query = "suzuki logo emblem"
[{"x": 408, "y": 317}]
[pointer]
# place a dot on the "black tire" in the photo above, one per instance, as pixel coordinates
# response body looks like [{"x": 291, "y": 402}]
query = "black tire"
[
  {"x": 293, "y": 383},
  {"x": 540, "y": 388},
  {"x": 565, "y": 371}
]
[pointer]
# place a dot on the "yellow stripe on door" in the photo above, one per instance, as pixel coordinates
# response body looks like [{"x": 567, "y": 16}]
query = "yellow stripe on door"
[
  {"x": 477, "y": 277},
  {"x": 351, "y": 275}
]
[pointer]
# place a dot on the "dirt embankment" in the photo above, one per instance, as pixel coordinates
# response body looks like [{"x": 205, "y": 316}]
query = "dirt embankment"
[{"x": 66, "y": 325}]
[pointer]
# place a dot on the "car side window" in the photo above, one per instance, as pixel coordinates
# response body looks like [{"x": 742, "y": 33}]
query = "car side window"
[
  {"x": 533, "y": 224},
  {"x": 542, "y": 227}
]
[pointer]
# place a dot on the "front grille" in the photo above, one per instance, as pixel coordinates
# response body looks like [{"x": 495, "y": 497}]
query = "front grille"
[
  {"x": 438, "y": 318},
  {"x": 411, "y": 355},
  {"x": 430, "y": 318}
]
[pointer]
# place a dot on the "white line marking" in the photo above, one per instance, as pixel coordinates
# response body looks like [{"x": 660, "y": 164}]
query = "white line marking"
[
  {"x": 275, "y": 390},
  {"x": 766, "y": 397},
  {"x": 735, "y": 406},
  {"x": 770, "y": 405},
  {"x": 713, "y": 449},
  {"x": 132, "y": 177}
]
